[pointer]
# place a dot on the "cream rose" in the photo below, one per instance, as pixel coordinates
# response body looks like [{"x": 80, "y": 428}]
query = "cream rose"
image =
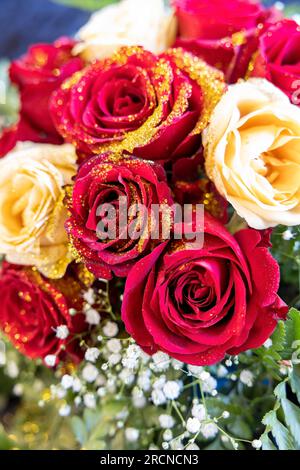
[
  {"x": 32, "y": 214},
  {"x": 129, "y": 23},
  {"x": 252, "y": 153}
]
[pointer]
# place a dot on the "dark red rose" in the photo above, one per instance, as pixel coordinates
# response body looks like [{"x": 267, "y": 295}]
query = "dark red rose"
[
  {"x": 224, "y": 34},
  {"x": 278, "y": 59},
  {"x": 38, "y": 74},
  {"x": 32, "y": 307},
  {"x": 154, "y": 107},
  {"x": 199, "y": 304},
  {"x": 190, "y": 185},
  {"x": 105, "y": 179},
  {"x": 21, "y": 132},
  {"x": 8, "y": 140}
]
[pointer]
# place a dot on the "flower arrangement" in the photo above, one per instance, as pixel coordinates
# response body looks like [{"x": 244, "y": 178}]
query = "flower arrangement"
[{"x": 150, "y": 199}]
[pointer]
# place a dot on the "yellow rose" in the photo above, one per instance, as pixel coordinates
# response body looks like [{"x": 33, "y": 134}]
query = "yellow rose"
[
  {"x": 252, "y": 153},
  {"x": 128, "y": 23},
  {"x": 32, "y": 214}
]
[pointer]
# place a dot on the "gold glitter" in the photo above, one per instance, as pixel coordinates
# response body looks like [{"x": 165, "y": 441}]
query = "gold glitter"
[
  {"x": 73, "y": 80},
  {"x": 85, "y": 276},
  {"x": 46, "y": 395},
  {"x": 238, "y": 39},
  {"x": 144, "y": 134},
  {"x": 40, "y": 58},
  {"x": 210, "y": 80},
  {"x": 251, "y": 65},
  {"x": 25, "y": 296}
]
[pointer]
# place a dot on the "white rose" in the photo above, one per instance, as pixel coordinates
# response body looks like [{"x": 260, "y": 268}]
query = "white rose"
[
  {"x": 252, "y": 153},
  {"x": 129, "y": 23},
  {"x": 32, "y": 213}
]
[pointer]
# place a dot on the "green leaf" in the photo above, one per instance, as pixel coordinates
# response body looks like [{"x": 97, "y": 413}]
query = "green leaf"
[
  {"x": 267, "y": 444},
  {"x": 280, "y": 433},
  {"x": 240, "y": 429},
  {"x": 91, "y": 419},
  {"x": 86, "y": 4},
  {"x": 295, "y": 381},
  {"x": 96, "y": 445},
  {"x": 292, "y": 418},
  {"x": 79, "y": 430},
  {"x": 5, "y": 442},
  {"x": 280, "y": 390},
  {"x": 292, "y": 328},
  {"x": 215, "y": 445},
  {"x": 279, "y": 337}
]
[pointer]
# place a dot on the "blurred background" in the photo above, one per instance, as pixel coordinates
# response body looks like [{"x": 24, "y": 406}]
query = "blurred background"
[{"x": 26, "y": 22}]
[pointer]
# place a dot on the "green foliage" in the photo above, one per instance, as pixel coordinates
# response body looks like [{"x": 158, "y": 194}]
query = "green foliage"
[
  {"x": 282, "y": 423},
  {"x": 287, "y": 252},
  {"x": 295, "y": 381},
  {"x": 91, "y": 431},
  {"x": 9, "y": 100},
  {"x": 285, "y": 343},
  {"x": 86, "y": 4},
  {"x": 280, "y": 433}
]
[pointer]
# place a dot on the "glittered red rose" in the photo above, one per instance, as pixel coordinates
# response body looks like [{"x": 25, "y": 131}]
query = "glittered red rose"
[
  {"x": 224, "y": 34},
  {"x": 190, "y": 185},
  {"x": 199, "y": 304},
  {"x": 278, "y": 58},
  {"x": 152, "y": 106},
  {"x": 105, "y": 179},
  {"x": 37, "y": 75},
  {"x": 32, "y": 308}
]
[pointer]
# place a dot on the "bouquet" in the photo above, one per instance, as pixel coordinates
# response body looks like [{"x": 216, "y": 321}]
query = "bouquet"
[{"x": 150, "y": 198}]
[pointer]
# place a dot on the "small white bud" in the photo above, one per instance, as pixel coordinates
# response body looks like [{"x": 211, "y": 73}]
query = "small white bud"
[
  {"x": 89, "y": 296},
  {"x": 198, "y": 411},
  {"x": 64, "y": 411},
  {"x": 132, "y": 434},
  {"x": 256, "y": 444},
  {"x": 166, "y": 421},
  {"x": 67, "y": 382},
  {"x": 110, "y": 329},
  {"x": 193, "y": 425},
  {"x": 62, "y": 332},
  {"x": 114, "y": 345},
  {"x": 89, "y": 400},
  {"x": 90, "y": 373},
  {"x": 50, "y": 360},
  {"x": 92, "y": 317},
  {"x": 247, "y": 378},
  {"x": 92, "y": 354},
  {"x": 168, "y": 435},
  {"x": 209, "y": 430},
  {"x": 171, "y": 390},
  {"x": 268, "y": 344}
]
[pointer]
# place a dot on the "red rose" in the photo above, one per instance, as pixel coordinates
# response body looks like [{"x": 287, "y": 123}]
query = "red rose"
[
  {"x": 224, "y": 34},
  {"x": 199, "y": 304},
  {"x": 152, "y": 106},
  {"x": 279, "y": 58},
  {"x": 190, "y": 185},
  {"x": 105, "y": 179},
  {"x": 37, "y": 74},
  {"x": 20, "y": 132},
  {"x": 32, "y": 307}
]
